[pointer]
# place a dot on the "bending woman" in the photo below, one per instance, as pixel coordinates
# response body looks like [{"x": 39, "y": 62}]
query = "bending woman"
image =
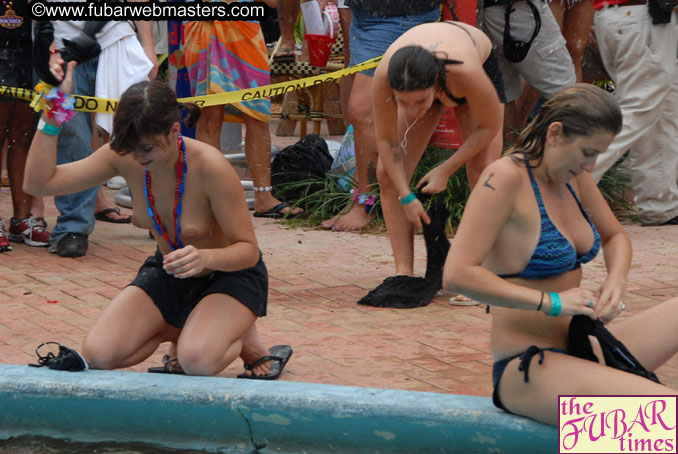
[
  {"x": 429, "y": 67},
  {"x": 206, "y": 285},
  {"x": 537, "y": 216}
]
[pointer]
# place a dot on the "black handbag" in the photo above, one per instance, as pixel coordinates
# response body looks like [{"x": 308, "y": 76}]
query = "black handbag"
[
  {"x": 515, "y": 50},
  {"x": 661, "y": 10}
]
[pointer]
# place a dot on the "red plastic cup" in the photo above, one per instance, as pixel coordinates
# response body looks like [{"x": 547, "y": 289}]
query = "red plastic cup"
[{"x": 319, "y": 47}]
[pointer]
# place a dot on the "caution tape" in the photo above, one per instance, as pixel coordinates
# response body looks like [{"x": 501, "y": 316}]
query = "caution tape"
[{"x": 103, "y": 105}]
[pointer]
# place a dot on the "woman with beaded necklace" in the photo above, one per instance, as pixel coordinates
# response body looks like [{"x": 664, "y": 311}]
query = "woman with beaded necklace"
[{"x": 207, "y": 284}]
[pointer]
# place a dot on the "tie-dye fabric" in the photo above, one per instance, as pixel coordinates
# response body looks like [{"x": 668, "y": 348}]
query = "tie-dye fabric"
[{"x": 225, "y": 56}]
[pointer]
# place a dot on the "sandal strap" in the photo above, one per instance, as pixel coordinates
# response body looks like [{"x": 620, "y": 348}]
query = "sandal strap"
[{"x": 263, "y": 359}]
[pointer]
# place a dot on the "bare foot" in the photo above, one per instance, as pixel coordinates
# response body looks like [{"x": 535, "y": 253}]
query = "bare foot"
[
  {"x": 252, "y": 350},
  {"x": 356, "y": 219}
]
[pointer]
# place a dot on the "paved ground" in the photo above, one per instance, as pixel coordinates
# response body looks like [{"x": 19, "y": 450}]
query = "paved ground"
[{"x": 316, "y": 279}]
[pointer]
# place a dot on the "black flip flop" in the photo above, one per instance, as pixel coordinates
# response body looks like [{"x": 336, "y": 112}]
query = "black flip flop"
[
  {"x": 280, "y": 355},
  {"x": 276, "y": 212},
  {"x": 103, "y": 215},
  {"x": 169, "y": 366}
]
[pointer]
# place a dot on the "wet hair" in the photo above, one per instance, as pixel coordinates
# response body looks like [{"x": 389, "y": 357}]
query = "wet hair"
[
  {"x": 147, "y": 108},
  {"x": 582, "y": 109},
  {"x": 415, "y": 68}
]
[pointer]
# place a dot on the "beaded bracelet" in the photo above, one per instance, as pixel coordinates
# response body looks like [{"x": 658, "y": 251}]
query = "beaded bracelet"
[
  {"x": 58, "y": 105},
  {"x": 263, "y": 188},
  {"x": 556, "y": 304},
  {"x": 411, "y": 197}
]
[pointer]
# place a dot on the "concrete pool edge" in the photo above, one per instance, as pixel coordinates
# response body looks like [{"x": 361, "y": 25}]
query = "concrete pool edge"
[{"x": 245, "y": 416}]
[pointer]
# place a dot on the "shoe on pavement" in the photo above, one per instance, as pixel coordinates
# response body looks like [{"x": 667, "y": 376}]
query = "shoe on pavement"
[
  {"x": 30, "y": 230},
  {"x": 71, "y": 245},
  {"x": 4, "y": 241}
]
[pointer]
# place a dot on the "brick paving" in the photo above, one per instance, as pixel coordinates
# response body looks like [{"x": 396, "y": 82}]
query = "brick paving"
[{"x": 316, "y": 278}]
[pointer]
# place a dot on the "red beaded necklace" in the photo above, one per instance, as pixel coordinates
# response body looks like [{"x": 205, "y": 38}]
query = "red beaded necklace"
[{"x": 178, "y": 196}]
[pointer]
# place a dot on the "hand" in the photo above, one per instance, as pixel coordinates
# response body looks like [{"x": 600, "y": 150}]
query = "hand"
[
  {"x": 56, "y": 66},
  {"x": 578, "y": 301},
  {"x": 434, "y": 181},
  {"x": 184, "y": 262},
  {"x": 149, "y": 50},
  {"x": 66, "y": 84},
  {"x": 609, "y": 297},
  {"x": 415, "y": 213}
]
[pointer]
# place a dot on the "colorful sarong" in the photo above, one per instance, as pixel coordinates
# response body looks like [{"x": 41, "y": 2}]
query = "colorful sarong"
[{"x": 225, "y": 56}]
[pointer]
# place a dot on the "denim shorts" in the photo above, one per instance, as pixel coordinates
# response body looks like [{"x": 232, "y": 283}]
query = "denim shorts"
[{"x": 371, "y": 35}]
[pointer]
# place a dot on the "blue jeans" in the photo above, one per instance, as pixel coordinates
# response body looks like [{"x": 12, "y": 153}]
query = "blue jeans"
[
  {"x": 76, "y": 211},
  {"x": 371, "y": 35}
]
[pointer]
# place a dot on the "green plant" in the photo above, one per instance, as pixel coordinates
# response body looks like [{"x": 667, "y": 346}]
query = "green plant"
[{"x": 614, "y": 183}]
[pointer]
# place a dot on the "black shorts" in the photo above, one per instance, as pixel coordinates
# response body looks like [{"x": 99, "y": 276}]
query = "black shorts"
[
  {"x": 15, "y": 70},
  {"x": 493, "y": 71},
  {"x": 176, "y": 298}
]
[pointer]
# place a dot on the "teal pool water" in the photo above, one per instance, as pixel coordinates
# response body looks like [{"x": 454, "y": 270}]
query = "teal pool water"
[{"x": 43, "y": 445}]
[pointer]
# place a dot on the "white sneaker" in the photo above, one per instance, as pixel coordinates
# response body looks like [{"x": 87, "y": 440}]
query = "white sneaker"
[{"x": 116, "y": 182}]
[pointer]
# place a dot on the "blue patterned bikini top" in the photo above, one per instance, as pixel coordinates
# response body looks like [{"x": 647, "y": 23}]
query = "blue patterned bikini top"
[{"x": 554, "y": 255}]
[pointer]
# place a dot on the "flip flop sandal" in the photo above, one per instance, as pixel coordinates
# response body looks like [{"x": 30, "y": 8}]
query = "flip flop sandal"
[
  {"x": 103, "y": 215},
  {"x": 280, "y": 355},
  {"x": 169, "y": 366},
  {"x": 284, "y": 55},
  {"x": 276, "y": 212}
]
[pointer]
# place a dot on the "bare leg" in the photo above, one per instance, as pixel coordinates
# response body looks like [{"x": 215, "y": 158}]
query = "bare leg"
[
  {"x": 258, "y": 154},
  {"x": 288, "y": 11},
  {"x": 22, "y": 124},
  {"x": 400, "y": 231},
  {"x": 213, "y": 336},
  {"x": 127, "y": 332},
  {"x": 360, "y": 112},
  {"x": 576, "y": 27}
]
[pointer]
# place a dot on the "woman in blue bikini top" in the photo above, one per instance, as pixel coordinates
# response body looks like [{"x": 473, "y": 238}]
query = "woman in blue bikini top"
[{"x": 532, "y": 220}]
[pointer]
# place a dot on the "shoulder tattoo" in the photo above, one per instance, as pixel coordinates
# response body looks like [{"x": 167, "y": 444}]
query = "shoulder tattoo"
[{"x": 487, "y": 182}]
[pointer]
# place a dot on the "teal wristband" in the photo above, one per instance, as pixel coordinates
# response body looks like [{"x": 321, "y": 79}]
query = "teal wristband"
[
  {"x": 408, "y": 198},
  {"x": 48, "y": 129},
  {"x": 556, "y": 304}
]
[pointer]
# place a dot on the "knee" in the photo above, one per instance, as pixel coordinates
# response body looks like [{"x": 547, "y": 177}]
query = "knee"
[
  {"x": 211, "y": 120},
  {"x": 99, "y": 355},
  {"x": 195, "y": 360},
  {"x": 360, "y": 111}
]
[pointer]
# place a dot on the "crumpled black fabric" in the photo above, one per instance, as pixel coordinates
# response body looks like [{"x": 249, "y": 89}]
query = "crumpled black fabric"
[
  {"x": 616, "y": 355},
  {"x": 406, "y": 292}
]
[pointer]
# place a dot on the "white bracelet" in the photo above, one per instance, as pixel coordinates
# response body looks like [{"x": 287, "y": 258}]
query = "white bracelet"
[{"x": 263, "y": 189}]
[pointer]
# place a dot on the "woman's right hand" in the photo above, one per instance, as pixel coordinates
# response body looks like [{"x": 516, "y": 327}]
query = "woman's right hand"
[
  {"x": 66, "y": 84},
  {"x": 578, "y": 301},
  {"x": 415, "y": 213}
]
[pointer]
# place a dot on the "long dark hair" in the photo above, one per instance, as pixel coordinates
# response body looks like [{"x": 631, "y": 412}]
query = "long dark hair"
[
  {"x": 147, "y": 108},
  {"x": 415, "y": 68},
  {"x": 582, "y": 109}
]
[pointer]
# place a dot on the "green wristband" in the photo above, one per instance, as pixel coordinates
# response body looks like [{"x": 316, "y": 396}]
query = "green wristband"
[
  {"x": 48, "y": 129},
  {"x": 411, "y": 197},
  {"x": 556, "y": 304}
]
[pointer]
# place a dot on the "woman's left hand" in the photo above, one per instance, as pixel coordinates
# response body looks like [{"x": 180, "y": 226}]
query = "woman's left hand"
[
  {"x": 434, "y": 181},
  {"x": 184, "y": 262},
  {"x": 609, "y": 303}
]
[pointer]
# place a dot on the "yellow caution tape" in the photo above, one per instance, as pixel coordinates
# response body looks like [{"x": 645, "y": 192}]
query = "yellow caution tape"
[{"x": 103, "y": 105}]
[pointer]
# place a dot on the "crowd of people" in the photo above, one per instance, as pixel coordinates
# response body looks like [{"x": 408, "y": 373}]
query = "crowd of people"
[{"x": 533, "y": 217}]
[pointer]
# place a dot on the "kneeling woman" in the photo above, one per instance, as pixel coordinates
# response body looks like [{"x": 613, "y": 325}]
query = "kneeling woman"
[
  {"x": 537, "y": 216},
  {"x": 429, "y": 67},
  {"x": 207, "y": 284}
]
